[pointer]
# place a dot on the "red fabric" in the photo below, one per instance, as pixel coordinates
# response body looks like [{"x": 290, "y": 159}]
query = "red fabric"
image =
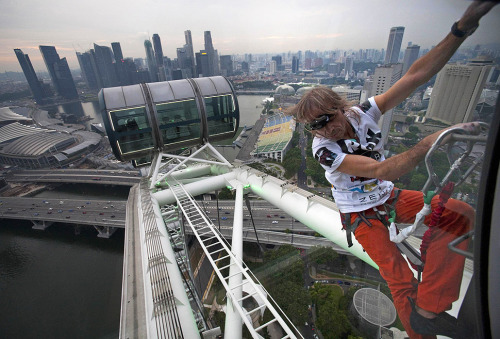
[{"x": 443, "y": 270}]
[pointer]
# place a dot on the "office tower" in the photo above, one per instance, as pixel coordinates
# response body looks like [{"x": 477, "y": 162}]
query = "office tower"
[
  {"x": 411, "y": 55},
  {"x": 245, "y": 67},
  {"x": 394, "y": 45},
  {"x": 348, "y": 65},
  {"x": 273, "y": 67},
  {"x": 88, "y": 74},
  {"x": 203, "y": 64},
  {"x": 104, "y": 66},
  {"x": 278, "y": 60},
  {"x": 212, "y": 55},
  {"x": 190, "y": 51},
  {"x": 226, "y": 65},
  {"x": 59, "y": 72},
  {"x": 184, "y": 63},
  {"x": 158, "y": 50},
  {"x": 295, "y": 64},
  {"x": 151, "y": 61},
  {"x": 333, "y": 69},
  {"x": 120, "y": 69},
  {"x": 29, "y": 72},
  {"x": 457, "y": 91},
  {"x": 384, "y": 77}
]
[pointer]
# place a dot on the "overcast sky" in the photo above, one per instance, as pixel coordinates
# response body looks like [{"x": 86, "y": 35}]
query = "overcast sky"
[{"x": 237, "y": 27}]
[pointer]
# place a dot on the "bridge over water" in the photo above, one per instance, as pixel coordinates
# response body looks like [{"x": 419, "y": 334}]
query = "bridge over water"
[{"x": 84, "y": 176}]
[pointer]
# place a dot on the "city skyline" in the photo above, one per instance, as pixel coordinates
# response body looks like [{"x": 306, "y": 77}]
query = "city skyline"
[{"x": 257, "y": 27}]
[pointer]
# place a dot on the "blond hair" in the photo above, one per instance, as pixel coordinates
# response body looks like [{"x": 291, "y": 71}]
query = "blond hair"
[{"x": 320, "y": 98}]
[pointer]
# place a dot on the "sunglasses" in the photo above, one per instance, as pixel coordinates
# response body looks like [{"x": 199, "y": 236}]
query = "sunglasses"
[{"x": 320, "y": 121}]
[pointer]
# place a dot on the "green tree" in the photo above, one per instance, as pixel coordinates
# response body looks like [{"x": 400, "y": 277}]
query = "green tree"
[
  {"x": 226, "y": 194},
  {"x": 322, "y": 254}
]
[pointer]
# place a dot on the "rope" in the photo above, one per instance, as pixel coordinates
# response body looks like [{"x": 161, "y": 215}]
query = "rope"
[{"x": 435, "y": 217}]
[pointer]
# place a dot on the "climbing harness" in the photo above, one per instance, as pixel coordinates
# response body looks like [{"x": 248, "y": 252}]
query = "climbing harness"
[{"x": 373, "y": 213}]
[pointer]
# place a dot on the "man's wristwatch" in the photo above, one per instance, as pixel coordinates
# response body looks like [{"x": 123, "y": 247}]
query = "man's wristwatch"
[{"x": 459, "y": 33}]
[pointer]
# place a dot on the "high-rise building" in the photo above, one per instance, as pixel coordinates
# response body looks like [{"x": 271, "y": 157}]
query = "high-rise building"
[
  {"x": 203, "y": 64},
  {"x": 212, "y": 55},
  {"x": 457, "y": 91},
  {"x": 279, "y": 62},
  {"x": 121, "y": 70},
  {"x": 383, "y": 79},
  {"x": 89, "y": 76},
  {"x": 59, "y": 72},
  {"x": 184, "y": 63},
  {"x": 411, "y": 55},
  {"x": 36, "y": 85},
  {"x": 158, "y": 50},
  {"x": 190, "y": 51},
  {"x": 394, "y": 45},
  {"x": 104, "y": 66},
  {"x": 349, "y": 65},
  {"x": 226, "y": 65},
  {"x": 273, "y": 67},
  {"x": 151, "y": 61},
  {"x": 295, "y": 64}
]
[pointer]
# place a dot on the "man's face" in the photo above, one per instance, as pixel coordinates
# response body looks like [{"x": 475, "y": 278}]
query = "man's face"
[{"x": 330, "y": 126}]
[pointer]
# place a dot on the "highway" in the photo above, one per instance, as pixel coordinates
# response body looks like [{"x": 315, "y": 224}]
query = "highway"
[
  {"x": 109, "y": 213},
  {"x": 88, "y": 176}
]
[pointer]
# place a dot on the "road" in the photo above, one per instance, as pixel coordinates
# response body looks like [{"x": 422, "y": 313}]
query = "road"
[
  {"x": 93, "y": 176},
  {"x": 88, "y": 212}
]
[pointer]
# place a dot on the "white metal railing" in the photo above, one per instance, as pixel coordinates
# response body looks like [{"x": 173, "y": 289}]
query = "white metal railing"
[{"x": 216, "y": 249}]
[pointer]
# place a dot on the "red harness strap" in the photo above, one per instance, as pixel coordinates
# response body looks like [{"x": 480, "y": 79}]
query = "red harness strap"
[{"x": 435, "y": 217}]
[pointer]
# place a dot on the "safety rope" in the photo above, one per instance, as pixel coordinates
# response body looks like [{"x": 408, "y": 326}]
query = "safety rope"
[{"x": 435, "y": 218}]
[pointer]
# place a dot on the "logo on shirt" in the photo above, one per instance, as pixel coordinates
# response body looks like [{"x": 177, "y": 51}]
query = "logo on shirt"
[
  {"x": 325, "y": 156},
  {"x": 351, "y": 146}
]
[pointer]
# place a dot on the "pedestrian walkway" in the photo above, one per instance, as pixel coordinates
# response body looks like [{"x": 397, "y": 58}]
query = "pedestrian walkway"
[{"x": 249, "y": 145}]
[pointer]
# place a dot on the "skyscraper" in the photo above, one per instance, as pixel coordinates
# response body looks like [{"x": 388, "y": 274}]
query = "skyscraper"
[
  {"x": 383, "y": 79},
  {"x": 212, "y": 55},
  {"x": 226, "y": 65},
  {"x": 190, "y": 51},
  {"x": 394, "y": 45},
  {"x": 411, "y": 55},
  {"x": 59, "y": 72},
  {"x": 151, "y": 61},
  {"x": 29, "y": 72},
  {"x": 295, "y": 64},
  {"x": 348, "y": 65},
  {"x": 457, "y": 91},
  {"x": 85, "y": 61},
  {"x": 120, "y": 68},
  {"x": 104, "y": 66}
]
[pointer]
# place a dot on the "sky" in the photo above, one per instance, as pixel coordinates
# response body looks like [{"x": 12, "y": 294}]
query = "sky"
[{"x": 237, "y": 27}]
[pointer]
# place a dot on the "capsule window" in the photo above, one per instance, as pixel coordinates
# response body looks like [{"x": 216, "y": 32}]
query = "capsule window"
[
  {"x": 220, "y": 112},
  {"x": 179, "y": 120},
  {"x": 133, "y": 130}
]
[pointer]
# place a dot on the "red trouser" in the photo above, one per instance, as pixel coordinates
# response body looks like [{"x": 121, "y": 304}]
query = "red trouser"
[{"x": 443, "y": 270}]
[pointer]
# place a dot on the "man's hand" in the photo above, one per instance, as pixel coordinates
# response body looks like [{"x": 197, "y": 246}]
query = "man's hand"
[{"x": 470, "y": 19}]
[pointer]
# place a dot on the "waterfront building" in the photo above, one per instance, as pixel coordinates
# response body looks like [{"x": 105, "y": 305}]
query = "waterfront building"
[
  {"x": 104, "y": 66},
  {"x": 36, "y": 86},
  {"x": 85, "y": 61},
  {"x": 59, "y": 72},
  {"x": 121, "y": 70},
  {"x": 394, "y": 44}
]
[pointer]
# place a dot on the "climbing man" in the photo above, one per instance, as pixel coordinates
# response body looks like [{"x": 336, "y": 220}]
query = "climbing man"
[{"x": 349, "y": 146}]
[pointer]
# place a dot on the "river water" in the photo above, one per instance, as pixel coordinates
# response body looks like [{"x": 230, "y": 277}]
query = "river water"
[{"x": 55, "y": 284}]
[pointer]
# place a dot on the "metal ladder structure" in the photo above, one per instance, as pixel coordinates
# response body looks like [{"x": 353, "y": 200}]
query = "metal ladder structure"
[{"x": 209, "y": 238}]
